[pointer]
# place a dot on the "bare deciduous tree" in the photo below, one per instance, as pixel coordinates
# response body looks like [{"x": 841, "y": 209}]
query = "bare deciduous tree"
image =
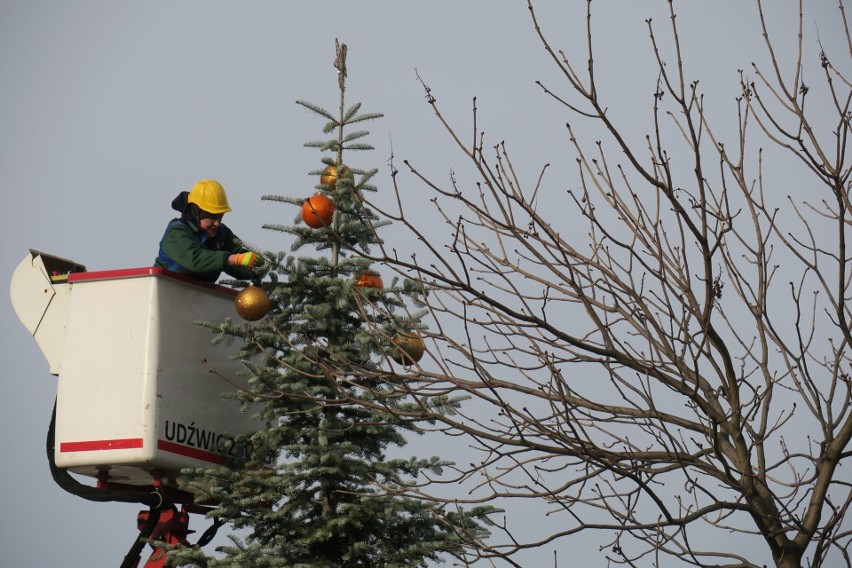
[{"x": 661, "y": 353}]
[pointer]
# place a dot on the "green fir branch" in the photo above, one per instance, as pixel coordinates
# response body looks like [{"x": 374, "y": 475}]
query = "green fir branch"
[
  {"x": 317, "y": 109},
  {"x": 364, "y": 117},
  {"x": 358, "y": 147},
  {"x": 347, "y": 116}
]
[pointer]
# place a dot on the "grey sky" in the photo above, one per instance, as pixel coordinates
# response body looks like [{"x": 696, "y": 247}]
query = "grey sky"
[{"x": 108, "y": 110}]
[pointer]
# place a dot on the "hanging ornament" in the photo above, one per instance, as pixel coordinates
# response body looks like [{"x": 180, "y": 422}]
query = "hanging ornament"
[
  {"x": 329, "y": 175},
  {"x": 317, "y": 211},
  {"x": 252, "y": 303},
  {"x": 370, "y": 279},
  {"x": 407, "y": 348}
]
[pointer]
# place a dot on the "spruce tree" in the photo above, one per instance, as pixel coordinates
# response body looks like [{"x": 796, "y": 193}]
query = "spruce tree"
[{"x": 318, "y": 489}]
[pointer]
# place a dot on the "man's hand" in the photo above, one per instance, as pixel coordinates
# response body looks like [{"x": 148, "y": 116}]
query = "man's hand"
[{"x": 243, "y": 259}]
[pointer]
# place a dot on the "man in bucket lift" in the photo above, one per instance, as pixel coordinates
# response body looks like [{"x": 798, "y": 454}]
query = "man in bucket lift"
[{"x": 198, "y": 244}]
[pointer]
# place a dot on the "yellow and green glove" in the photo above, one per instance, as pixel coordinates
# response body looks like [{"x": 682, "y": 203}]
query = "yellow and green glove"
[{"x": 247, "y": 259}]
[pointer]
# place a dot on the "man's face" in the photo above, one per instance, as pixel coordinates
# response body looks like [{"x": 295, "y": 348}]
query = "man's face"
[{"x": 210, "y": 224}]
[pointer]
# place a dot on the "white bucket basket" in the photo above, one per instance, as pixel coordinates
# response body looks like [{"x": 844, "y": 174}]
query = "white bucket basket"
[{"x": 140, "y": 384}]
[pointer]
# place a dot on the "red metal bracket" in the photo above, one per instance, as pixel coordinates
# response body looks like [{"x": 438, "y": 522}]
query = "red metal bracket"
[{"x": 172, "y": 529}]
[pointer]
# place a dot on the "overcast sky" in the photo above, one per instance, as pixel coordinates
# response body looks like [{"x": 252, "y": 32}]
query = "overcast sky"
[{"x": 109, "y": 109}]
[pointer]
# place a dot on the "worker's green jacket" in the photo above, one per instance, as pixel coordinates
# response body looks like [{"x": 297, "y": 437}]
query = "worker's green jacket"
[{"x": 186, "y": 248}]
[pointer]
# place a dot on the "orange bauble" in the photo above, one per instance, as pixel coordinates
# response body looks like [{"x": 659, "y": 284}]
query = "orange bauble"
[
  {"x": 407, "y": 348},
  {"x": 330, "y": 175},
  {"x": 252, "y": 303},
  {"x": 370, "y": 279},
  {"x": 317, "y": 211}
]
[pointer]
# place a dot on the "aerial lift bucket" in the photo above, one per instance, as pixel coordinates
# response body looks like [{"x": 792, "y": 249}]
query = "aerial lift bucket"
[{"x": 140, "y": 389}]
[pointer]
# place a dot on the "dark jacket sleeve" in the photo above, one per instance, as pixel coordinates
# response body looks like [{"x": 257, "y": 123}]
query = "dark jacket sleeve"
[{"x": 182, "y": 246}]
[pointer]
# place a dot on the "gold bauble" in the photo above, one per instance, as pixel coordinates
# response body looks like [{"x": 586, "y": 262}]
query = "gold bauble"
[
  {"x": 407, "y": 348},
  {"x": 330, "y": 173},
  {"x": 252, "y": 303}
]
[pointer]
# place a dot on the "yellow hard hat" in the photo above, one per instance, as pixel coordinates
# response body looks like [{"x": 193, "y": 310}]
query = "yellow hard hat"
[{"x": 210, "y": 196}]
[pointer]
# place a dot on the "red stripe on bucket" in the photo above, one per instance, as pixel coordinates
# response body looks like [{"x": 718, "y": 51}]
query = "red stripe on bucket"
[
  {"x": 190, "y": 452},
  {"x": 98, "y": 445}
]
